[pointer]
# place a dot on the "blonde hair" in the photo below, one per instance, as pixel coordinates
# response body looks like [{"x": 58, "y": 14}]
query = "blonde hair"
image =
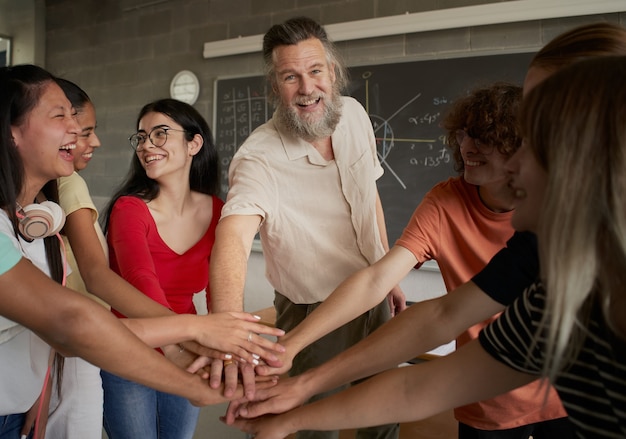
[{"x": 575, "y": 122}]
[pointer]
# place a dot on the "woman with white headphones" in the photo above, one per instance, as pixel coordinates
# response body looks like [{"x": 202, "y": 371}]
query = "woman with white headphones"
[
  {"x": 38, "y": 131},
  {"x": 38, "y": 134}
]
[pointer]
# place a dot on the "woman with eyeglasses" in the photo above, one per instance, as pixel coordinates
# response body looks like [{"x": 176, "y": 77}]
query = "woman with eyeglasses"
[
  {"x": 160, "y": 227},
  {"x": 76, "y": 398}
]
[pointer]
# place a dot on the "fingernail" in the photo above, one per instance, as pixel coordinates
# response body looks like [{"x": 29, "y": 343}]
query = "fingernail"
[
  {"x": 255, "y": 362},
  {"x": 228, "y": 357},
  {"x": 257, "y": 356},
  {"x": 256, "y": 317}
]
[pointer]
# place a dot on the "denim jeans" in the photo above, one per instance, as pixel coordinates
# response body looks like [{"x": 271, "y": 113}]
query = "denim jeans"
[
  {"x": 10, "y": 426},
  {"x": 134, "y": 411}
]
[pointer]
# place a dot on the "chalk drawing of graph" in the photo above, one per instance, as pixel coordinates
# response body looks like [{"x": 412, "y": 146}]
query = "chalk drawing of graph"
[{"x": 383, "y": 132}]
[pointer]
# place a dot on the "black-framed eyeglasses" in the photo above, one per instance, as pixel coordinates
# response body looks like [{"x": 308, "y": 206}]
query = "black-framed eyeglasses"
[
  {"x": 484, "y": 148},
  {"x": 158, "y": 137}
]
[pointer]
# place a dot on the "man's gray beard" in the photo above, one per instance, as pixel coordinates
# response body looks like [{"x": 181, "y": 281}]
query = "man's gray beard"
[{"x": 311, "y": 130}]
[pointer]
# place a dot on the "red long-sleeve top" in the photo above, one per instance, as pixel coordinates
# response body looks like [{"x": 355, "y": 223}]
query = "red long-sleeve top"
[{"x": 138, "y": 254}]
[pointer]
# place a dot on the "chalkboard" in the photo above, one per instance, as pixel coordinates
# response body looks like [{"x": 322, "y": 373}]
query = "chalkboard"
[{"x": 405, "y": 102}]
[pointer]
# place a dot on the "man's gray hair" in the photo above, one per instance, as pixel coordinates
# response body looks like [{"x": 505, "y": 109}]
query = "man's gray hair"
[{"x": 294, "y": 31}]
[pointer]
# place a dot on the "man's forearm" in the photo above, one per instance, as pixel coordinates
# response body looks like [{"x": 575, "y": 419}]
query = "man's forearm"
[
  {"x": 228, "y": 278},
  {"x": 229, "y": 261}
]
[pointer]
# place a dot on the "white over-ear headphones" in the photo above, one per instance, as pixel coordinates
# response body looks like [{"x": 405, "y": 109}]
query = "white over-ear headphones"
[{"x": 41, "y": 220}]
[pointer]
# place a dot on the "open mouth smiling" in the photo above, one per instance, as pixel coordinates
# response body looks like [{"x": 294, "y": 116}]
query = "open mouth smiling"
[
  {"x": 66, "y": 150},
  {"x": 152, "y": 158},
  {"x": 309, "y": 102}
]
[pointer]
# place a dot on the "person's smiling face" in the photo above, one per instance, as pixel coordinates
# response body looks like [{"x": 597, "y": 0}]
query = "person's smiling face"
[
  {"x": 47, "y": 137},
  {"x": 528, "y": 181},
  {"x": 172, "y": 156},
  {"x": 309, "y": 103},
  {"x": 88, "y": 141},
  {"x": 527, "y": 178},
  {"x": 482, "y": 168}
]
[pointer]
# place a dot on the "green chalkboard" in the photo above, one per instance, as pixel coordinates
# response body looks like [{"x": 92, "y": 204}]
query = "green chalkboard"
[{"x": 405, "y": 101}]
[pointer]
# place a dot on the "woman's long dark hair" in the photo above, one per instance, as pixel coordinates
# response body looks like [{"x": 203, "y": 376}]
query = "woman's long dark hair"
[
  {"x": 203, "y": 176},
  {"x": 21, "y": 87}
]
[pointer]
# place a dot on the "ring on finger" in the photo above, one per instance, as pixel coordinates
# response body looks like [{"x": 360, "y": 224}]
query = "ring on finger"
[{"x": 228, "y": 362}]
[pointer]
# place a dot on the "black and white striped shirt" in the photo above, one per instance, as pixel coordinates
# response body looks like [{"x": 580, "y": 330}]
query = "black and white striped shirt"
[{"x": 592, "y": 387}]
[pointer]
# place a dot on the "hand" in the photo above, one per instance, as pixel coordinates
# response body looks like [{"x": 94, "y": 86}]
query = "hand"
[
  {"x": 397, "y": 301},
  {"x": 200, "y": 366},
  {"x": 239, "y": 334},
  {"x": 267, "y": 427},
  {"x": 284, "y": 362},
  {"x": 281, "y": 366},
  {"x": 203, "y": 394},
  {"x": 232, "y": 370},
  {"x": 287, "y": 394},
  {"x": 184, "y": 359},
  {"x": 200, "y": 350}
]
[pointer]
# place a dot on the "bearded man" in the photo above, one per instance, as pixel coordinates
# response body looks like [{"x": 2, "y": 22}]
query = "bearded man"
[{"x": 306, "y": 181}]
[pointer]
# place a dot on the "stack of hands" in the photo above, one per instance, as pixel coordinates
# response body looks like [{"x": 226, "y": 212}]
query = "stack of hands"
[{"x": 234, "y": 351}]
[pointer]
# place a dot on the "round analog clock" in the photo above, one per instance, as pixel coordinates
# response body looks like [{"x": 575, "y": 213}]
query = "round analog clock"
[{"x": 185, "y": 87}]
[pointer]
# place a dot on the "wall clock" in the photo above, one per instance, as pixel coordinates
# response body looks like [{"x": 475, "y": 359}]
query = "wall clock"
[{"x": 185, "y": 87}]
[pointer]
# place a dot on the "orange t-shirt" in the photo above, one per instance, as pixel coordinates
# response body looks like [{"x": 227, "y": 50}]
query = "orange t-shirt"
[{"x": 452, "y": 226}]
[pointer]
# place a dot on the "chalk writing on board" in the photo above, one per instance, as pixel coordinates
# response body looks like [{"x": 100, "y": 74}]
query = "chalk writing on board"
[
  {"x": 241, "y": 110},
  {"x": 387, "y": 142}
]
